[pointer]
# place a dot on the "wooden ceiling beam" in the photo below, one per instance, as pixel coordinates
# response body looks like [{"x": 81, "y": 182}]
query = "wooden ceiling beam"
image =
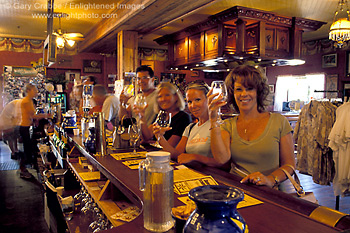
[{"x": 154, "y": 14}]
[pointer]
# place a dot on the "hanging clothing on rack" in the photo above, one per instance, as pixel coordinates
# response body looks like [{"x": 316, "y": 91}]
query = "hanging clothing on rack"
[
  {"x": 340, "y": 144},
  {"x": 311, "y": 132}
]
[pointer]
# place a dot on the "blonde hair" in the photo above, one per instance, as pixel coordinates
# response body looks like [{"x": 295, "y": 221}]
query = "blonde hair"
[{"x": 173, "y": 90}]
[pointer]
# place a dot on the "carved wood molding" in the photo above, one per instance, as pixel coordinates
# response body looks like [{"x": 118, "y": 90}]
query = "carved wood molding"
[
  {"x": 263, "y": 15},
  {"x": 308, "y": 24},
  {"x": 239, "y": 12}
]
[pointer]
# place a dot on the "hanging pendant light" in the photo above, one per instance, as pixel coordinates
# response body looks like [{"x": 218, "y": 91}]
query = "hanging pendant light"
[
  {"x": 60, "y": 42},
  {"x": 340, "y": 28}
]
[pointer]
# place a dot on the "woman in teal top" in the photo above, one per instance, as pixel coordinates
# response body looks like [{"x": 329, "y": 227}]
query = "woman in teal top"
[{"x": 258, "y": 143}]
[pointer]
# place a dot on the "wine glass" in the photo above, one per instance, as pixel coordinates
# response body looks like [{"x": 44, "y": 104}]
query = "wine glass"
[
  {"x": 219, "y": 87},
  {"x": 140, "y": 101},
  {"x": 127, "y": 91},
  {"x": 134, "y": 134},
  {"x": 163, "y": 119}
]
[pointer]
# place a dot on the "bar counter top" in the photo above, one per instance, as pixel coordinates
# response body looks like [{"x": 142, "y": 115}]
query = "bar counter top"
[{"x": 280, "y": 212}]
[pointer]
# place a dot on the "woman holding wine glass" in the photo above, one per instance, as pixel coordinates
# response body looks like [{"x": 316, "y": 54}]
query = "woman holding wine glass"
[
  {"x": 170, "y": 103},
  {"x": 194, "y": 145},
  {"x": 257, "y": 142}
]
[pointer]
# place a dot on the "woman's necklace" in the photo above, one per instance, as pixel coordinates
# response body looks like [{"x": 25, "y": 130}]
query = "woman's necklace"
[
  {"x": 246, "y": 125},
  {"x": 252, "y": 126}
]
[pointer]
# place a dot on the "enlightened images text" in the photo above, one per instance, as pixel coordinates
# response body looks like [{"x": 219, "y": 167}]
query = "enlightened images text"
[{"x": 84, "y": 6}]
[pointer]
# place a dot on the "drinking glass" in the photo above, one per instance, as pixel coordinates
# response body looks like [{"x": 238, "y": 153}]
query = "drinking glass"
[
  {"x": 163, "y": 119},
  {"x": 128, "y": 91},
  {"x": 68, "y": 210},
  {"x": 140, "y": 101},
  {"x": 134, "y": 134},
  {"x": 219, "y": 87}
]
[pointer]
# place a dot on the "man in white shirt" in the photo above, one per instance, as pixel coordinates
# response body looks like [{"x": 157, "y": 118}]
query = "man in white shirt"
[
  {"x": 106, "y": 103},
  {"x": 145, "y": 80}
]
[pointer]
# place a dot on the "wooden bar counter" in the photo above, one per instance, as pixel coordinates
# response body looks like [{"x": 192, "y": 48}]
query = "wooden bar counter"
[{"x": 279, "y": 212}]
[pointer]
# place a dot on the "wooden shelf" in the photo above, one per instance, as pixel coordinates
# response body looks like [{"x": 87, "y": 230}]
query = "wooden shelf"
[
  {"x": 103, "y": 193},
  {"x": 60, "y": 159}
]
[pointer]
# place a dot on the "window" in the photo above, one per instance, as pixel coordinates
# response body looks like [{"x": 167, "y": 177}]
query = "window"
[{"x": 300, "y": 89}]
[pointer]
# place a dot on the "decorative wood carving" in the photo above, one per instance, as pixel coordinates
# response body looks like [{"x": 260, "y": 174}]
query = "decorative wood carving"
[
  {"x": 181, "y": 51},
  {"x": 244, "y": 31},
  {"x": 229, "y": 39},
  {"x": 211, "y": 45},
  {"x": 307, "y": 24},
  {"x": 252, "y": 39},
  {"x": 195, "y": 48}
]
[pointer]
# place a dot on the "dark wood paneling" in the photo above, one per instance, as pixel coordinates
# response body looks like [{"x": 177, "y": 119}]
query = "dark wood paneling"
[
  {"x": 282, "y": 41},
  {"x": 196, "y": 48},
  {"x": 181, "y": 51},
  {"x": 252, "y": 39},
  {"x": 277, "y": 43},
  {"x": 269, "y": 38},
  {"x": 211, "y": 43},
  {"x": 229, "y": 39}
]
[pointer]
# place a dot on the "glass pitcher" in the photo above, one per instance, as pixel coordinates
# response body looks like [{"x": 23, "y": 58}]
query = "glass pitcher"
[{"x": 156, "y": 182}]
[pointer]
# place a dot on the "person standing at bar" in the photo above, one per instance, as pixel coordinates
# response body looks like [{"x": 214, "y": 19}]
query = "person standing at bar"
[
  {"x": 257, "y": 142},
  {"x": 108, "y": 104},
  {"x": 28, "y": 115},
  {"x": 90, "y": 80},
  {"x": 10, "y": 118},
  {"x": 145, "y": 80}
]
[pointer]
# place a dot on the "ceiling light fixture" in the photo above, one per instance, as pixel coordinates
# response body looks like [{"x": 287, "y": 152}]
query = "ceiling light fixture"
[
  {"x": 60, "y": 42},
  {"x": 340, "y": 28},
  {"x": 71, "y": 43}
]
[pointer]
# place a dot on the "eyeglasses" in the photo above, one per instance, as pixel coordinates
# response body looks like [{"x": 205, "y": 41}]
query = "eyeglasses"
[{"x": 143, "y": 78}]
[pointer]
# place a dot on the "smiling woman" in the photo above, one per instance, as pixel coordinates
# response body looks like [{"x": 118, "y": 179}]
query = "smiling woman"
[
  {"x": 194, "y": 146},
  {"x": 170, "y": 100},
  {"x": 257, "y": 143}
]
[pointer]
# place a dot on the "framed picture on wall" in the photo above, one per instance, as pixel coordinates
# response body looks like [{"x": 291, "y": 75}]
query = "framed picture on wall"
[
  {"x": 332, "y": 86},
  {"x": 70, "y": 77},
  {"x": 329, "y": 60},
  {"x": 272, "y": 88}
]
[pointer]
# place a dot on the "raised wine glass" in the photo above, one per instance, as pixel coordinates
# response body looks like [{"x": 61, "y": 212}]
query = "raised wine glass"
[
  {"x": 219, "y": 87},
  {"x": 140, "y": 101},
  {"x": 127, "y": 90},
  {"x": 134, "y": 134},
  {"x": 163, "y": 119}
]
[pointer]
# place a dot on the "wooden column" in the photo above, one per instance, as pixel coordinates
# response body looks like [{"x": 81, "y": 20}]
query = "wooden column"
[
  {"x": 127, "y": 60},
  {"x": 240, "y": 37},
  {"x": 262, "y": 38},
  {"x": 295, "y": 40}
]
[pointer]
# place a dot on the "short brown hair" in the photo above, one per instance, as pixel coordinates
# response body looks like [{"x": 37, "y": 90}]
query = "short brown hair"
[
  {"x": 99, "y": 90},
  {"x": 29, "y": 87},
  {"x": 251, "y": 77}
]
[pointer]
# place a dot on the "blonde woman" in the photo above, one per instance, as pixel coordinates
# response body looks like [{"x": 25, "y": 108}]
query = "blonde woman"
[
  {"x": 194, "y": 145},
  {"x": 170, "y": 100}
]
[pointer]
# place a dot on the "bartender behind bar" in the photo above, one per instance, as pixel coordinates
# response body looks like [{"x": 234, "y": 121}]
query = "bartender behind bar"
[{"x": 106, "y": 103}]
